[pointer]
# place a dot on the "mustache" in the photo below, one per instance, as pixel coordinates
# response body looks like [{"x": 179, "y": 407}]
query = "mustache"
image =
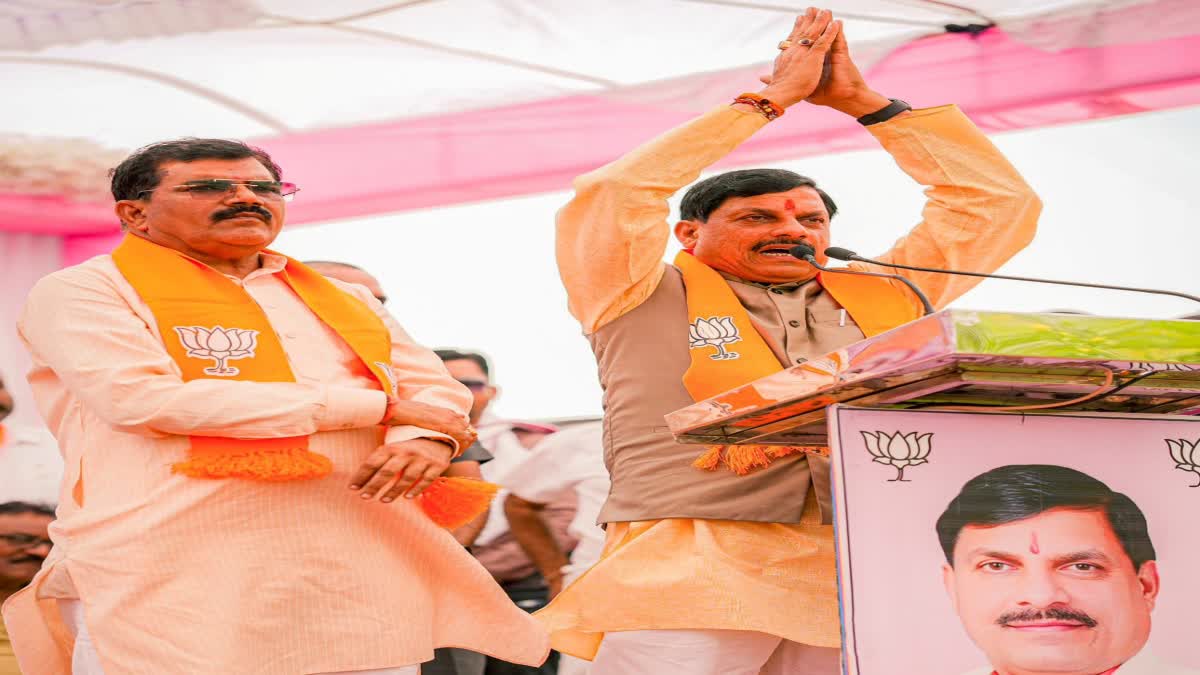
[
  {"x": 27, "y": 559},
  {"x": 786, "y": 241},
  {"x": 1056, "y": 613},
  {"x": 234, "y": 211}
]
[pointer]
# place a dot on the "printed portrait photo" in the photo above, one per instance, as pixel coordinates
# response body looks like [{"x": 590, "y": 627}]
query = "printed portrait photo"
[{"x": 973, "y": 544}]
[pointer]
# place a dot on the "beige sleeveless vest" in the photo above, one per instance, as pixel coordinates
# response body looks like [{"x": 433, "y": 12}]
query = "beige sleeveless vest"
[{"x": 642, "y": 356}]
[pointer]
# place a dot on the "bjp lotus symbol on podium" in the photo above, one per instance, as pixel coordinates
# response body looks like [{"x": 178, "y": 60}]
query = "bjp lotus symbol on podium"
[
  {"x": 219, "y": 344},
  {"x": 898, "y": 450},
  {"x": 1186, "y": 455},
  {"x": 715, "y": 331}
]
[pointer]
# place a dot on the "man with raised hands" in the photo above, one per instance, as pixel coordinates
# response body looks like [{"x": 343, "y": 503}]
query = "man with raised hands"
[{"x": 720, "y": 560}]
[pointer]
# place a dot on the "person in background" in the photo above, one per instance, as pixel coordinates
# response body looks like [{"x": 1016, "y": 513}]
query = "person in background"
[
  {"x": 351, "y": 274},
  {"x": 496, "y": 548},
  {"x": 24, "y": 545},
  {"x": 30, "y": 465},
  {"x": 465, "y": 465},
  {"x": 570, "y": 461}
]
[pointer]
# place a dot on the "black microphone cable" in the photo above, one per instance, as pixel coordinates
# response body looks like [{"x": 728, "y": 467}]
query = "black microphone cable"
[
  {"x": 807, "y": 253},
  {"x": 840, "y": 253}
]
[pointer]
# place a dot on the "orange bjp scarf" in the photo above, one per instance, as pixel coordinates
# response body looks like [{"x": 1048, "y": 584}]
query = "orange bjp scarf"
[
  {"x": 212, "y": 328},
  {"x": 718, "y": 321}
]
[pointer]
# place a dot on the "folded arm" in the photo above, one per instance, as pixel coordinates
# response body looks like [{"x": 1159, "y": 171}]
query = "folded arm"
[
  {"x": 420, "y": 375},
  {"x": 82, "y": 333}
]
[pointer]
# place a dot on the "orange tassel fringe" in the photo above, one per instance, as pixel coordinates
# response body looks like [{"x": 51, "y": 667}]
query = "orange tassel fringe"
[
  {"x": 263, "y": 465},
  {"x": 454, "y": 502},
  {"x": 742, "y": 459}
]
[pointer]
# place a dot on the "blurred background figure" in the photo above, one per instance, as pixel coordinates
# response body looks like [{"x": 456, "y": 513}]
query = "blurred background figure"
[
  {"x": 24, "y": 545},
  {"x": 30, "y": 463},
  {"x": 510, "y": 442},
  {"x": 568, "y": 463},
  {"x": 350, "y": 274}
]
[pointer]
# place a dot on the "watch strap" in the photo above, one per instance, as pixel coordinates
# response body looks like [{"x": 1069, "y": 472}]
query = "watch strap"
[{"x": 886, "y": 113}]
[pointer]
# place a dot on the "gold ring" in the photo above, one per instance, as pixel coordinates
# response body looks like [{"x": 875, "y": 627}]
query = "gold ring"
[
  {"x": 805, "y": 42},
  {"x": 784, "y": 45}
]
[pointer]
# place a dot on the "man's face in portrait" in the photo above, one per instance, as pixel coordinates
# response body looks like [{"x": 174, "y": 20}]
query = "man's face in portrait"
[
  {"x": 1053, "y": 593},
  {"x": 749, "y": 237}
]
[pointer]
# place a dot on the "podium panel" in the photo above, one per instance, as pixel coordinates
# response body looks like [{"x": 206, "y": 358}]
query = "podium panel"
[
  {"x": 1061, "y": 542},
  {"x": 965, "y": 358}
]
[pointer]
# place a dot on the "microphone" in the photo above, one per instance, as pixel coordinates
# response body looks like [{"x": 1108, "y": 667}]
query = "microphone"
[
  {"x": 806, "y": 253},
  {"x": 840, "y": 253}
]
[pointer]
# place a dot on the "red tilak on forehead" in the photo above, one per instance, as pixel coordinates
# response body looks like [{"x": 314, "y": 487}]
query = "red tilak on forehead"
[
  {"x": 789, "y": 205},
  {"x": 1033, "y": 545}
]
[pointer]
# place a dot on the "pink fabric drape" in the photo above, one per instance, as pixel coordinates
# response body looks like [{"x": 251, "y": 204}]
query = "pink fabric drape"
[
  {"x": 24, "y": 258},
  {"x": 1003, "y": 84}
]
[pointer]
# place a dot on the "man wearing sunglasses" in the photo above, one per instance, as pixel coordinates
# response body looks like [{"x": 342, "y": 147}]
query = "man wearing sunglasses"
[{"x": 239, "y": 432}]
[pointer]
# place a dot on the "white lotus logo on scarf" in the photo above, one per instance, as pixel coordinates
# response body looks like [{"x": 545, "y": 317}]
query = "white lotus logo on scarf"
[
  {"x": 390, "y": 375},
  {"x": 898, "y": 450},
  {"x": 714, "y": 332},
  {"x": 219, "y": 344},
  {"x": 1186, "y": 455}
]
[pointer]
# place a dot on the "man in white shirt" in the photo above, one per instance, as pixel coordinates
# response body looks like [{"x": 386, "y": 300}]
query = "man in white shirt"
[
  {"x": 510, "y": 442},
  {"x": 570, "y": 461}
]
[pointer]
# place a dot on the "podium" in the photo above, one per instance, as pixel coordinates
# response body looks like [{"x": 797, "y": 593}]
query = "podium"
[{"x": 1024, "y": 437}]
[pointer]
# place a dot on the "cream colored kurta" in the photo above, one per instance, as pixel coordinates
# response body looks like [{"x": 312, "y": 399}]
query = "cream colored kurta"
[
  {"x": 712, "y": 573},
  {"x": 208, "y": 577}
]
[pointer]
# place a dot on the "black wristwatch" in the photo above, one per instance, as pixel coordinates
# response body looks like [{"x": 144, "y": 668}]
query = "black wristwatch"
[{"x": 888, "y": 112}]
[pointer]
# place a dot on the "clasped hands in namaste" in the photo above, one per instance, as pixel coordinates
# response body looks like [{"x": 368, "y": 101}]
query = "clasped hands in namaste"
[
  {"x": 410, "y": 466},
  {"x": 814, "y": 65}
]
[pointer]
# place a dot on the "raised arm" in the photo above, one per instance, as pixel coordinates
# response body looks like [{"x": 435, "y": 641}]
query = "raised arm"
[
  {"x": 979, "y": 212},
  {"x": 612, "y": 235}
]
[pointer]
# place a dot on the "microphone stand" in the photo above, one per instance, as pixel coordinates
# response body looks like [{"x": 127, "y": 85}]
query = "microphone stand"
[
  {"x": 857, "y": 258},
  {"x": 806, "y": 253}
]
